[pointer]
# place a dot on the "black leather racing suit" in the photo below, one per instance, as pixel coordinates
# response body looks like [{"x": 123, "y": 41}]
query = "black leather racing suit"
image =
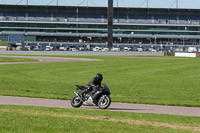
[{"x": 93, "y": 86}]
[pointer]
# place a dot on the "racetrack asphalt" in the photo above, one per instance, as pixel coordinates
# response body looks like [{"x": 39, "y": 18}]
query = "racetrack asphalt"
[
  {"x": 45, "y": 59},
  {"x": 123, "y": 107}
]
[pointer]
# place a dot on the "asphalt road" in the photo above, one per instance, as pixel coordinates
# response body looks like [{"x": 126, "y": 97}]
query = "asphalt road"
[
  {"x": 124, "y": 107},
  {"x": 45, "y": 59}
]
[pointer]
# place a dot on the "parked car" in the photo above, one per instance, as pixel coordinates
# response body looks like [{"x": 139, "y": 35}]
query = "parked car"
[{"x": 97, "y": 49}]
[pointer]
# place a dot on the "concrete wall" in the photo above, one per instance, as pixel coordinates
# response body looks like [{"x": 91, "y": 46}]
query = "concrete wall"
[
  {"x": 3, "y": 48},
  {"x": 182, "y": 54},
  {"x": 83, "y": 53}
]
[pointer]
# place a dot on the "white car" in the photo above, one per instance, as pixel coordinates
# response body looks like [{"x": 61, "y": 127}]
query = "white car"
[
  {"x": 48, "y": 48},
  {"x": 115, "y": 49},
  {"x": 192, "y": 49},
  {"x": 97, "y": 49},
  {"x": 73, "y": 49},
  {"x": 126, "y": 49},
  {"x": 105, "y": 49}
]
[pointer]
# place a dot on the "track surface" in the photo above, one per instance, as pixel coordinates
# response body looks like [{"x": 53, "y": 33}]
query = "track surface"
[
  {"x": 46, "y": 59},
  {"x": 124, "y": 107}
]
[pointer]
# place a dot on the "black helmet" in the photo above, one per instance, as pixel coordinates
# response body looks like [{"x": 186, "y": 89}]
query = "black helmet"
[{"x": 99, "y": 77}]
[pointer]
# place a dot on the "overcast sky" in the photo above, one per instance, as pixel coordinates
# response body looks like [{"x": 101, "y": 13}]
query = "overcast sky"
[{"x": 121, "y": 3}]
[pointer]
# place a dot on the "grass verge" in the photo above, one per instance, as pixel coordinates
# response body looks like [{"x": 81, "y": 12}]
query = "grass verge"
[
  {"x": 22, "y": 119},
  {"x": 9, "y": 59},
  {"x": 3, "y": 43}
]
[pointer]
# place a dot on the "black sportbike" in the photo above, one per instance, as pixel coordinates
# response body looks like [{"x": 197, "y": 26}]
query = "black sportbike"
[{"x": 101, "y": 98}]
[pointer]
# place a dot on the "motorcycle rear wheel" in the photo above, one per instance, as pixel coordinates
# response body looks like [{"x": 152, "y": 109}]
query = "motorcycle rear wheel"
[
  {"x": 104, "y": 102},
  {"x": 76, "y": 102}
]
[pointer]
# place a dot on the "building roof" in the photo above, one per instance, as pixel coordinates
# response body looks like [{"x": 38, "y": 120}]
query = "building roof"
[{"x": 126, "y": 8}]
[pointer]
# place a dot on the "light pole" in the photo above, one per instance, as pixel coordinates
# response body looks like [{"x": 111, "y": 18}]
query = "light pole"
[{"x": 110, "y": 24}]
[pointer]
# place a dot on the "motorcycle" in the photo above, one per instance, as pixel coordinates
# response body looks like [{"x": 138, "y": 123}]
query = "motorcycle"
[{"x": 101, "y": 98}]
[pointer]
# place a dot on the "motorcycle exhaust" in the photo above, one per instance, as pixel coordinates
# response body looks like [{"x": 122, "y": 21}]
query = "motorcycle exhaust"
[{"x": 78, "y": 96}]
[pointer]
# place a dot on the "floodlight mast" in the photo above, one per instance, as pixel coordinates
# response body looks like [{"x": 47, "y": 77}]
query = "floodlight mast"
[
  {"x": 176, "y": 3},
  {"x": 110, "y": 24}
]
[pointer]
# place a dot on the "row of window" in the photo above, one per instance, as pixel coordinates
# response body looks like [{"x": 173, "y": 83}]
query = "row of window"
[
  {"x": 100, "y": 31},
  {"x": 103, "y": 26}
]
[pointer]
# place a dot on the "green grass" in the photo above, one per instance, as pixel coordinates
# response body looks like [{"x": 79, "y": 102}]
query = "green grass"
[
  {"x": 152, "y": 81},
  {"x": 8, "y": 59},
  {"x": 3, "y": 43},
  {"x": 22, "y": 119}
]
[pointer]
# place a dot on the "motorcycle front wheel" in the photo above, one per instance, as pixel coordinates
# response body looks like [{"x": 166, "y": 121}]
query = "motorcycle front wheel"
[
  {"x": 104, "y": 102},
  {"x": 76, "y": 102}
]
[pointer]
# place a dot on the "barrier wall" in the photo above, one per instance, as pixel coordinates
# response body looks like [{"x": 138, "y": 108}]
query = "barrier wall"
[
  {"x": 178, "y": 54},
  {"x": 83, "y": 53}
]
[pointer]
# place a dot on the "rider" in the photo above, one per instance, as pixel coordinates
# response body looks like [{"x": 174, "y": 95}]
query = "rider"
[{"x": 94, "y": 84}]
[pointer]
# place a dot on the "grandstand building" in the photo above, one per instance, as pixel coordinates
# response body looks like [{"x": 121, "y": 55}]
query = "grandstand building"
[{"x": 89, "y": 24}]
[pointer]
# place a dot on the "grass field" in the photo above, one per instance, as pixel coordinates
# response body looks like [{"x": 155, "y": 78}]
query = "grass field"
[
  {"x": 154, "y": 81},
  {"x": 3, "y": 43},
  {"x": 21, "y": 119},
  {"x": 7, "y": 59}
]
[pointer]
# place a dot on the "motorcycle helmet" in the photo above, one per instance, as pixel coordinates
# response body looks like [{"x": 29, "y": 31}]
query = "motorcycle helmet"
[{"x": 99, "y": 77}]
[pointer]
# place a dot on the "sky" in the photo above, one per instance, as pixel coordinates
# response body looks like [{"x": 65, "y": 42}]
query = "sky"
[{"x": 190, "y": 4}]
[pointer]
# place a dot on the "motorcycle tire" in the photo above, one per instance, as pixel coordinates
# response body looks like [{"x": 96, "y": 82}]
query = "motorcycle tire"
[
  {"x": 104, "y": 102},
  {"x": 76, "y": 102}
]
